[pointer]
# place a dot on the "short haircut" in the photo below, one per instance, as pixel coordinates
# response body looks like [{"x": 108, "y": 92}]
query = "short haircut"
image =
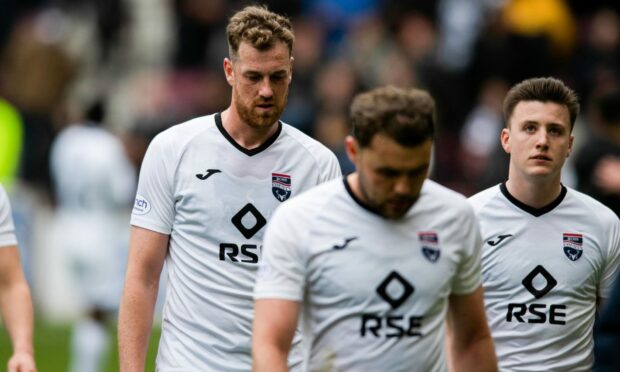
[
  {"x": 405, "y": 115},
  {"x": 259, "y": 27},
  {"x": 545, "y": 89}
]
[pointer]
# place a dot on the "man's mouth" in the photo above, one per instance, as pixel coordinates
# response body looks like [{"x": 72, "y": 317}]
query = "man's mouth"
[{"x": 541, "y": 157}]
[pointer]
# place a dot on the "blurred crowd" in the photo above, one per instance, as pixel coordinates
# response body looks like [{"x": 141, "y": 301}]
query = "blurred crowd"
[{"x": 149, "y": 64}]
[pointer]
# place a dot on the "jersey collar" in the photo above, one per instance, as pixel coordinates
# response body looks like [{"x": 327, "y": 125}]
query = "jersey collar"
[
  {"x": 536, "y": 212},
  {"x": 347, "y": 186},
  {"x": 252, "y": 152}
]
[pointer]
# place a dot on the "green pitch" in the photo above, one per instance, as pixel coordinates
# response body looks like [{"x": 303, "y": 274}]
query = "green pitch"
[{"x": 51, "y": 343}]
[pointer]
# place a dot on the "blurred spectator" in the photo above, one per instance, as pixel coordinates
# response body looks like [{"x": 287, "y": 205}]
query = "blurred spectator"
[
  {"x": 596, "y": 65},
  {"x": 94, "y": 183},
  {"x": 11, "y": 133},
  {"x": 331, "y": 129},
  {"x": 483, "y": 160},
  {"x": 598, "y": 160},
  {"x": 36, "y": 74},
  {"x": 551, "y": 18}
]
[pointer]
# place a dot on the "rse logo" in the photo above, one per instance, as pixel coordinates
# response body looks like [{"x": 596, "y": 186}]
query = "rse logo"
[
  {"x": 536, "y": 313},
  {"x": 392, "y": 325},
  {"x": 232, "y": 251},
  {"x": 246, "y": 253}
]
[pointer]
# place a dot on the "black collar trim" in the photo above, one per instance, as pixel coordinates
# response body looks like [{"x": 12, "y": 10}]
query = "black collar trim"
[
  {"x": 347, "y": 186},
  {"x": 248, "y": 152},
  {"x": 536, "y": 212}
]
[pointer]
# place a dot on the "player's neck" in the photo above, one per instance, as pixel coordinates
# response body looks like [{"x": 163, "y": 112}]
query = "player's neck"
[
  {"x": 532, "y": 193},
  {"x": 246, "y": 136}
]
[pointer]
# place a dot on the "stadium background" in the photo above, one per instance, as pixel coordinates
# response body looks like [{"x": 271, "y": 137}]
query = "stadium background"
[{"x": 154, "y": 63}]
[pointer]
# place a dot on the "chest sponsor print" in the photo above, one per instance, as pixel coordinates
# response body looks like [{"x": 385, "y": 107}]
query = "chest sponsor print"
[
  {"x": 430, "y": 245},
  {"x": 573, "y": 245},
  {"x": 281, "y": 186}
]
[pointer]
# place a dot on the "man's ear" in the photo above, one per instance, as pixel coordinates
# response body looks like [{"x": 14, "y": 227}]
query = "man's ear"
[
  {"x": 229, "y": 72},
  {"x": 351, "y": 146},
  {"x": 505, "y": 139},
  {"x": 570, "y": 145}
]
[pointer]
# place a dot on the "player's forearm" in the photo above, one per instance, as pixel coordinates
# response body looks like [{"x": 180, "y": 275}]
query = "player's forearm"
[
  {"x": 17, "y": 313},
  {"x": 477, "y": 356},
  {"x": 134, "y": 325},
  {"x": 269, "y": 358}
]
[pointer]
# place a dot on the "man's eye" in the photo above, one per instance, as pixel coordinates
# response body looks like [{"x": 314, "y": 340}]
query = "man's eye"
[
  {"x": 388, "y": 173},
  {"x": 254, "y": 78}
]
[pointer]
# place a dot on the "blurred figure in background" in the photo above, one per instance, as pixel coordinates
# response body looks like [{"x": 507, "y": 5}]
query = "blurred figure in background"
[
  {"x": 15, "y": 301},
  {"x": 94, "y": 183},
  {"x": 598, "y": 161}
]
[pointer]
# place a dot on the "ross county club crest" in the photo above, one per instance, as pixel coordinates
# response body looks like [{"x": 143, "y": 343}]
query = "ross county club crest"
[
  {"x": 430, "y": 245},
  {"x": 281, "y": 186},
  {"x": 573, "y": 246}
]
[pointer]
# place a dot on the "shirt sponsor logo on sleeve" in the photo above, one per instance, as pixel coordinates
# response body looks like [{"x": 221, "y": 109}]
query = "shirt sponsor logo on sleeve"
[{"x": 141, "y": 205}]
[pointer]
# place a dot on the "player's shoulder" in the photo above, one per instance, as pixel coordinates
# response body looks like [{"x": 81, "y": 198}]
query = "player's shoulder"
[
  {"x": 592, "y": 207},
  {"x": 176, "y": 138},
  {"x": 313, "y": 200},
  {"x": 481, "y": 199},
  {"x": 303, "y": 141},
  {"x": 437, "y": 193},
  {"x": 185, "y": 131}
]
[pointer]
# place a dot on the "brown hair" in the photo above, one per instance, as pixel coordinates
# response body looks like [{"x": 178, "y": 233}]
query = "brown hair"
[
  {"x": 405, "y": 115},
  {"x": 546, "y": 89},
  {"x": 260, "y": 28}
]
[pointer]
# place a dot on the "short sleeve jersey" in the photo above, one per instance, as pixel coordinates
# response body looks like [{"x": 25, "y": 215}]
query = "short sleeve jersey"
[
  {"x": 7, "y": 229},
  {"x": 214, "y": 198},
  {"x": 87, "y": 180},
  {"x": 374, "y": 292},
  {"x": 542, "y": 271}
]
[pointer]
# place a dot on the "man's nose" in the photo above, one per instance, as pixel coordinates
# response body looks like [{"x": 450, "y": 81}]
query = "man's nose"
[
  {"x": 265, "y": 89},
  {"x": 542, "y": 140},
  {"x": 402, "y": 186}
]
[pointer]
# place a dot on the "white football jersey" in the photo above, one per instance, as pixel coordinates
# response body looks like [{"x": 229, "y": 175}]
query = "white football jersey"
[
  {"x": 542, "y": 271},
  {"x": 213, "y": 198},
  {"x": 7, "y": 229},
  {"x": 374, "y": 291},
  {"x": 91, "y": 171}
]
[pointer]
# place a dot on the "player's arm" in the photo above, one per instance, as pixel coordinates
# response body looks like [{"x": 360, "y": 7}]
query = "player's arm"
[
  {"x": 147, "y": 251},
  {"x": 275, "y": 322},
  {"x": 470, "y": 343},
  {"x": 16, "y": 310}
]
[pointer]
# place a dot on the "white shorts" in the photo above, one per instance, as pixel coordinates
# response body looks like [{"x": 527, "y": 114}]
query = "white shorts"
[{"x": 94, "y": 246}]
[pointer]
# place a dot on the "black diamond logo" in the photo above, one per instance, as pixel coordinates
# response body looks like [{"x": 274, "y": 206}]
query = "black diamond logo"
[
  {"x": 528, "y": 282},
  {"x": 249, "y": 232},
  {"x": 407, "y": 289}
]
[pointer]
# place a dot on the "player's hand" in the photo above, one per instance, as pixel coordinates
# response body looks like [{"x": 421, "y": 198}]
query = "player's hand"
[{"x": 21, "y": 362}]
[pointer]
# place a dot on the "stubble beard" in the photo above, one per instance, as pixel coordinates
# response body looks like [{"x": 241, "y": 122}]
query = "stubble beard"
[{"x": 259, "y": 120}]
